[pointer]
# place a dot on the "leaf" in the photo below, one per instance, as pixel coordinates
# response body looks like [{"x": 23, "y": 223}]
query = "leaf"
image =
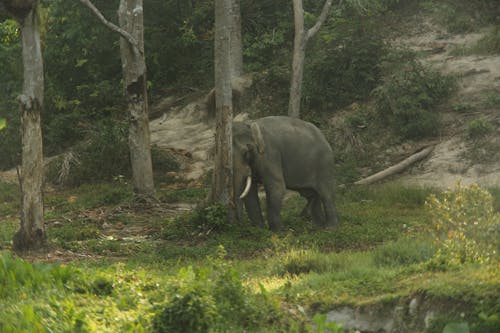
[
  {"x": 81, "y": 62},
  {"x": 456, "y": 328},
  {"x": 3, "y": 123}
]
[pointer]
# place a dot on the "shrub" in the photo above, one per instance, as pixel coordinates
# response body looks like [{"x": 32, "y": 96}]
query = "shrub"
[
  {"x": 211, "y": 299},
  {"x": 342, "y": 65},
  {"x": 479, "y": 128},
  {"x": 200, "y": 222},
  {"x": 465, "y": 226},
  {"x": 104, "y": 155},
  {"x": 409, "y": 96}
]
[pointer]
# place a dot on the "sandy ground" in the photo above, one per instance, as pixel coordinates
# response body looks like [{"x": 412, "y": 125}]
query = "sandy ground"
[{"x": 479, "y": 79}]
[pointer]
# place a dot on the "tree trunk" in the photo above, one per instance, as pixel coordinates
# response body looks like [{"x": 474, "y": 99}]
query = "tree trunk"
[
  {"x": 299, "y": 52},
  {"x": 234, "y": 24},
  {"x": 223, "y": 170},
  {"x": 32, "y": 231},
  {"x": 299, "y": 55},
  {"x": 130, "y": 15}
]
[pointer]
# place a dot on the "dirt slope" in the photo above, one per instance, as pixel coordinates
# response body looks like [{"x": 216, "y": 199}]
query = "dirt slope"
[
  {"x": 479, "y": 91},
  {"x": 187, "y": 131}
]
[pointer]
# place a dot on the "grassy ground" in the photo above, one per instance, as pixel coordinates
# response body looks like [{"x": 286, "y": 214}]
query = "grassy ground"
[{"x": 112, "y": 266}]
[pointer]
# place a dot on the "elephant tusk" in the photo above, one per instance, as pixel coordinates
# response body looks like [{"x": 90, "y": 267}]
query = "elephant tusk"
[{"x": 247, "y": 187}]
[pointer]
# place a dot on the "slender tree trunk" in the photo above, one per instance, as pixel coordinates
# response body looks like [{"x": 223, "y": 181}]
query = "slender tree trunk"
[
  {"x": 223, "y": 170},
  {"x": 299, "y": 52},
  {"x": 32, "y": 231},
  {"x": 234, "y": 24},
  {"x": 130, "y": 15}
]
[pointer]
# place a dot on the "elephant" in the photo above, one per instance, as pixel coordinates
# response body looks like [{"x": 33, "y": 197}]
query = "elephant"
[{"x": 282, "y": 153}]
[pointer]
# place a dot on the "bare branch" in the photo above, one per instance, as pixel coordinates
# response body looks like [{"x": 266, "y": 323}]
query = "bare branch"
[
  {"x": 113, "y": 27},
  {"x": 322, "y": 18}
]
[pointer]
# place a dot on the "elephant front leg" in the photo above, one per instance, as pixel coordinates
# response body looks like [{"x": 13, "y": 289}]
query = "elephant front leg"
[
  {"x": 252, "y": 206},
  {"x": 274, "y": 199}
]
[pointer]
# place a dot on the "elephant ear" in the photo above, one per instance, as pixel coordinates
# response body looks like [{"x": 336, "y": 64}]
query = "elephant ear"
[{"x": 258, "y": 140}]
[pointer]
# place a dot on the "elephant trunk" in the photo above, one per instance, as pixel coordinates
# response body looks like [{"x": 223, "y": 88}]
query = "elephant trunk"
[{"x": 247, "y": 187}]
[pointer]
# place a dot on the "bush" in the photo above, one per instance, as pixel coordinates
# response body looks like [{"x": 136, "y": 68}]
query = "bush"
[
  {"x": 201, "y": 221},
  {"x": 103, "y": 156},
  {"x": 479, "y": 128},
  {"x": 342, "y": 65},
  {"x": 410, "y": 94},
  {"x": 466, "y": 228},
  {"x": 211, "y": 299}
]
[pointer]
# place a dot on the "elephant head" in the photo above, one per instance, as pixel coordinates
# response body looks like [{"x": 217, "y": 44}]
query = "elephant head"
[{"x": 248, "y": 146}]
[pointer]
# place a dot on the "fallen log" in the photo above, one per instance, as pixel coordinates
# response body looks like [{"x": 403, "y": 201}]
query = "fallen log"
[{"x": 401, "y": 166}]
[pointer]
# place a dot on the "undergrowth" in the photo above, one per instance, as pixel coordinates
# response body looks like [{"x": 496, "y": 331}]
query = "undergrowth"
[{"x": 199, "y": 271}]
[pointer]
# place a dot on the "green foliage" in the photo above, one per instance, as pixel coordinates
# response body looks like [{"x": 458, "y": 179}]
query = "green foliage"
[
  {"x": 343, "y": 62},
  {"x": 3, "y": 123},
  {"x": 74, "y": 231},
  {"x": 9, "y": 32},
  {"x": 103, "y": 156},
  {"x": 456, "y": 328},
  {"x": 465, "y": 225},
  {"x": 210, "y": 299},
  {"x": 301, "y": 261},
  {"x": 189, "y": 194},
  {"x": 487, "y": 323},
  {"x": 11, "y": 81},
  {"x": 202, "y": 221},
  {"x": 410, "y": 94},
  {"x": 267, "y": 31},
  {"x": 102, "y": 286},
  {"x": 31, "y": 321},
  {"x": 479, "y": 128},
  {"x": 403, "y": 252},
  {"x": 489, "y": 44},
  {"x": 323, "y": 326},
  {"x": 17, "y": 276}
]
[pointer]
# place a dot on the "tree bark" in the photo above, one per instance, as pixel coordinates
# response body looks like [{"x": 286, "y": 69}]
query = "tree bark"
[
  {"x": 130, "y": 15},
  {"x": 32, "y": 231},
  {"x": 222, "y": 191},
  {"x": 234, "y": 24},
  {"x": 299, "y": 52}
]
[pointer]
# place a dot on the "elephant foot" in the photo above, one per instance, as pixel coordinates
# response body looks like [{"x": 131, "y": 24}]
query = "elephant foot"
[{"x": 332, "y": 224}]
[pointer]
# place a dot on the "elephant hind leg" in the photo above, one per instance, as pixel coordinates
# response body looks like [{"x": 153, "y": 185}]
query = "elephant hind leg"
[
  {"x": 330, "y": 212},
  {"x": 318, "y": 215}
]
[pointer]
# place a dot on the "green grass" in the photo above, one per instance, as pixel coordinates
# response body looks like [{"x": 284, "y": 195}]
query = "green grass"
[{"x": 379, "y": 256}]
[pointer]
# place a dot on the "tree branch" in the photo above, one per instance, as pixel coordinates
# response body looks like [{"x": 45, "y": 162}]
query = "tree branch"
[
  {"x": 322, "y": 18},
  {"x": 128, "y": 37}
]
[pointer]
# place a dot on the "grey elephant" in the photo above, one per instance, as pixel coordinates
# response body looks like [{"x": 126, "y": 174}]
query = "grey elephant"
[{"x": 282, "y": 153}]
